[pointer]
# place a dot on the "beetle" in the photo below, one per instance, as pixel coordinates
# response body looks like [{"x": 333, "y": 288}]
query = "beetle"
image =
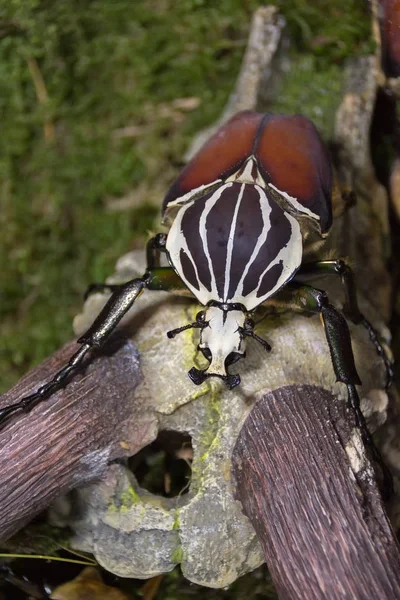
[{"x": 242, "y": 216}]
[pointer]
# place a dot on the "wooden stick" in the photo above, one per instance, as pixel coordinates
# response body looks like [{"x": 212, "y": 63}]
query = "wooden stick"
[
  {"x": 42, "y": 96},
  {"x": 323, "y": 530},
  {"x": 69, "y": 439}
]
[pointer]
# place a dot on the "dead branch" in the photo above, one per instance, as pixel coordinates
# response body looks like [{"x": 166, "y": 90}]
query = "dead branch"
[
  {"x": 322, "y": 526},
  {"x": 69, "y": 439}
]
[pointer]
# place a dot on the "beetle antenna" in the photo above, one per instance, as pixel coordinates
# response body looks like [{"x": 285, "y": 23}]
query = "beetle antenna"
[
  {"x": 264, "y": 343},
  {"x": 171, "y": 334},
  {"x": 247, "y": 329},
  {"x": 199, "y": 323}
]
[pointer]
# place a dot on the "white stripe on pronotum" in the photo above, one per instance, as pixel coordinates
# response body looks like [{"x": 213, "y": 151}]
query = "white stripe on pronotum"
[
  {"x": 210, "y": 203},
  {"x": 230, "y": 244},
  {"x": 177, "y": 242},
  {"x": 265, "y": 211},
  {"x": 290, "y": 254},
  {"x": 295, "y": 203}
]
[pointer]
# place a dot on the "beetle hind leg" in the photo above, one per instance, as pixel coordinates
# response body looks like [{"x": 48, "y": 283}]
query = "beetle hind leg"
[
  {"x": 341, "y": 269},
  {"x": 306, "y": 298},
  {"x": 380, "y": 350},
  {"x": 339, "y": 342},
  {"x": 354, "y": 403}
]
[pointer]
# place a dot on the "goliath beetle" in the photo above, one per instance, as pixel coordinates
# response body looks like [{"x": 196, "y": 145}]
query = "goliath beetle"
[{"x": 243, "y": 214}]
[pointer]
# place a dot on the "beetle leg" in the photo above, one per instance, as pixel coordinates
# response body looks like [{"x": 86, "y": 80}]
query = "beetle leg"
[
  {"x": 309, "y": 299},
  {"x": 340, "y": 268},
  {"x": 29, "y": 402},
  {"x": 99, "y": 288},
  {"x": 154, "y": 247},
  {"x": 119, "y": 303},
  {"x": 116, "y": 307},
  {"x": 112, "y": 312}
]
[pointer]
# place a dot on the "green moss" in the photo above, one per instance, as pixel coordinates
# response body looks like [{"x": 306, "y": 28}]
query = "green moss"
[
  {"x": 313, "y": 93},
  {"x": 330, "y": 31},
  {"x": 177, "y": 522},
  {"x": 105, "y": 66},
  {"x": 324, "y": 34},
  {"x": 177, "y": 556}
]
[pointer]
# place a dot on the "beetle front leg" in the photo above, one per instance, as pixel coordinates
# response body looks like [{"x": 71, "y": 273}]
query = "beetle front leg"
[
  {"x": 119, "y": 303},
  {"x": 341, "y": 269},
  {"x": 29, "y": 402},
  {"x": 116, "y": 307},
  {"x": 306, "y": 298},
  {"x": 99, "y": 288},
  {"x": 154, "y": 247}
]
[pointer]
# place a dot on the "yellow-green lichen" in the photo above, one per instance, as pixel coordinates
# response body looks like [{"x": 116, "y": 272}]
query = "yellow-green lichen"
[
  {"x": 213, "y": 415},
  {"x": 177, "y": 556},
  {"x": 199, "y": 392},
  {"x": 177, "y": 523},
  {"x": 112, "y": 508},
  {"x": 129, "y": 497}
]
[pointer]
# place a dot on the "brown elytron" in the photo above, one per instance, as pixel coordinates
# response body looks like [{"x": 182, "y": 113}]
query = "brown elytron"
[
  {"x": 293, "y": 158},
  {"x": 221, "y": 156},
  {"x": 390, "y": 30},
  {"x": 287, "y": 154}
]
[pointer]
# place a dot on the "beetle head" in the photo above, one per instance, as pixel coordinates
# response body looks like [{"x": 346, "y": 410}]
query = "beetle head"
[
  {"x": 224, "y": 328},
  {"x": 222, "y": 343}
]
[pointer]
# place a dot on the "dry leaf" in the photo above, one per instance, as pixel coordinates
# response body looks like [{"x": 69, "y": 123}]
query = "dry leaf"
[
  {"x": 87, "y": 586},
  {"x": 189, "y": 103},
  {"x": 151, "y": 587}
]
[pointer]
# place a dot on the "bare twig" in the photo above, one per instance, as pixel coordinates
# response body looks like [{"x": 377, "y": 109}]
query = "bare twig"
[{"x": 42, "y": 96}]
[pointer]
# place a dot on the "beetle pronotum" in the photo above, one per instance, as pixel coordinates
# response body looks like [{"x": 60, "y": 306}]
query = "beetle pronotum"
[{"x": 242, "y": 215}]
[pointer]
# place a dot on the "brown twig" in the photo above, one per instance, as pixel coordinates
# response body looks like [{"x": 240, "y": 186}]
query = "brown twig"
[
  {"x": 323, "y": 530},
  {"x": 69, "y": 439},
  {"x": 42, "y": 96}
]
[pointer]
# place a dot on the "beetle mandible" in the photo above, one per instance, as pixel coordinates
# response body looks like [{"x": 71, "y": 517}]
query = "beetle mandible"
[{"x": 243, "y": 214}]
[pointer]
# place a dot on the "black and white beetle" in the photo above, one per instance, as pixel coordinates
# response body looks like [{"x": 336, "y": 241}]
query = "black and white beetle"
[{"x": 242, "y": 214}]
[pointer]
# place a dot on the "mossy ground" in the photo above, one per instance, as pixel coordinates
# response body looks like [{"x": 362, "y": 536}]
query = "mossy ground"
[{"x": 94, "y": 129}]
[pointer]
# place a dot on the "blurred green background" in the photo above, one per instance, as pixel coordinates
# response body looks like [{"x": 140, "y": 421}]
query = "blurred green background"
[{"x": 99, "y": 101}]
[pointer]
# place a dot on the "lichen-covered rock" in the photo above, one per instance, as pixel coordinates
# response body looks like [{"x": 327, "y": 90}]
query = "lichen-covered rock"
[{"x": 136, "y": 534}]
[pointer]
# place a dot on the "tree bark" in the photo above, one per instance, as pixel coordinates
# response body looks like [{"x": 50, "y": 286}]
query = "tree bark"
[
  {"x": 70, "y": 438},
  {"x": 322, "y": 524}
]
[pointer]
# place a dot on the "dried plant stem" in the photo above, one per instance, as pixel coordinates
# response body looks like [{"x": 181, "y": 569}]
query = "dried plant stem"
[{"x": 42, "y": 96}]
